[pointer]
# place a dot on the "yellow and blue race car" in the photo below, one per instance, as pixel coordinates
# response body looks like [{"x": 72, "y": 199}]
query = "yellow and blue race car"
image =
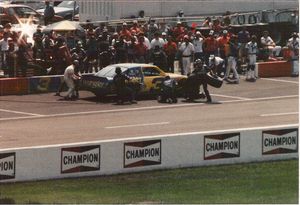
[{"x": 148, "y": 76}]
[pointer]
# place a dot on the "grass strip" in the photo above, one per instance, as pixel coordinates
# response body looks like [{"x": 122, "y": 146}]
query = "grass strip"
[{"x": 269, "y": 183}]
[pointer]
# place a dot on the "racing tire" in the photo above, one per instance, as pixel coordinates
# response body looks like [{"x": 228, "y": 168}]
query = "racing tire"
[{"x": 241, "y": 19}]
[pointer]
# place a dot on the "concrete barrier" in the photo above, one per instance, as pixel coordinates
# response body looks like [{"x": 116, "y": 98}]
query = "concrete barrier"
[
  {"x": 29, "y": 85},
  {"x": 274, "y": 69},
  {"x": 149, "y": 153}
]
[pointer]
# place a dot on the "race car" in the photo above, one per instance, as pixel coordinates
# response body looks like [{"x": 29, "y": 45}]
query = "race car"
[{"x": 146, "y": 77}]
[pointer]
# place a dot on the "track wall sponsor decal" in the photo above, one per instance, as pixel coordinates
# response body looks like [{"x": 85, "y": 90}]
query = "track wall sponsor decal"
[
  {"x": 7, "y": 166},
  {"x": 221, "y": 146},
  {"x": 279, "y": 141},
  {"x": 80, "y": 159},
  {"x": 144, "y": 153}
]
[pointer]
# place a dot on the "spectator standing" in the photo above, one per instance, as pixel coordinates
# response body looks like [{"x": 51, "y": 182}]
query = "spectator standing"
[
  {"x": 243, "y": 39},
  {"x": 252, "y": 50},
  {"x": 232, "y": 60},
  {"x": 180, "y": 16},
  {"x": 178, "y": 32},
  {"x": 91, "y": 53},
  {"x": 81, "y": 55},
  {"x": 157, "y": 41},
  {"x": 135, "y": 27},
  {"x": 22, "y": 58},
  {"x": 187, "y": 51},
  {"x": 125, "y": 33},
  {"x": 141, "y": 50},
  {"x": 121, "y": 50},
  {"x": 131, "y": 50},
  {"x": 152, "y": 29},
  {"x": 222, "y": 43},
  {"x": 147, "y": 44},
  {"x": 47, "y": 42},
  {"x": 170, "y": 48},
  {"x": 198, "y": 43},
  {"x": 216, "y": 26},
  {"x": 38, "y": 49},
  {"x": 4, "y": 47},
  {"x": 48, "y": 13},
  {"x": 293, "y": 45},
  {"x": 207, "y": 22},
  {"x": 159, "y": 58},
  {"x": 164, "y": 37},
  {"x": 210, "y": 46}
]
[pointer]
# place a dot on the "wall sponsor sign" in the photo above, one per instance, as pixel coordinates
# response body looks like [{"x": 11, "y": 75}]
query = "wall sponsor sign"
[
  {"x": 221, "y": 146},
  {"x": 144, "y": 153},
  {"x": 279, "y": 141},
  {"x": 7, "y": 166},
  {"x": 80, "y": 159}
]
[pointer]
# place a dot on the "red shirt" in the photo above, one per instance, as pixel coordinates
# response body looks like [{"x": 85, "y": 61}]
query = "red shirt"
[
  {"x": 126, "y": 33},
  {"x": 222, "y": 41},
  {"x": 170, "y": 48},
  {"x": 140, "y": 49},
  {"x": 210, "y": 44}
]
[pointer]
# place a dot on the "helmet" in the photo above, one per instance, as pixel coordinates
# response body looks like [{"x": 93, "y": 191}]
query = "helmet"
[
  {"x": 118, "y": 70},
  {"x": 75, "y": 62},
  {"x": 198, "y": 61}
]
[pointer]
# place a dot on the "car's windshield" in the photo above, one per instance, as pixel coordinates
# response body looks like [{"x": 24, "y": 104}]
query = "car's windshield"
[
  {"x": 22, "y": 12},
  {"x": 66, "y": 4},
  {"x": 109, "y": 71}
]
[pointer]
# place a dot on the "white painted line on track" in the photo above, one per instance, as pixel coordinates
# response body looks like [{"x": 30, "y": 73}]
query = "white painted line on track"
[
  {"x": 228, "y": 96},
  {"x": 18, "y": 112},
  {"x": 279, "y": 114},
  {"x": 156, "y": 136},
  {"x": 279, "y": 80},
  {"x": 138, "y": 125},
  {"x": 36, "y": 116}
]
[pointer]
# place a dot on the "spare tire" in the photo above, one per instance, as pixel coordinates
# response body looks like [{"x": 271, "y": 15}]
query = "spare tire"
[{"x": 241, "y": 19}]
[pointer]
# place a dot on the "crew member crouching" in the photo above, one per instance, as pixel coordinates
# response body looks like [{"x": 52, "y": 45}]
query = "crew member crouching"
[
  {"x": 168, "y": 91},
  {"x": 124, "y": 92}
]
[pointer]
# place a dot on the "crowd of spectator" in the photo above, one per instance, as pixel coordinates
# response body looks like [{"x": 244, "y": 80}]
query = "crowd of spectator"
[{"x": 140, "y": 43}]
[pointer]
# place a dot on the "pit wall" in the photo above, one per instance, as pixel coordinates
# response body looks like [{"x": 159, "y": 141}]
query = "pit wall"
[
  {"x": 149, "y": 153},
  {"x": 29, "y": 85},
  {"x": 44, "y": 84}
]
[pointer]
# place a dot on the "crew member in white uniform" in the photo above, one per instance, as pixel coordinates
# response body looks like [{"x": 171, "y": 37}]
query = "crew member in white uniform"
[
  {"x": 252, "y": 50},
  {"x": 69, "y": 77},
  {"x": 187, "y": 51}
]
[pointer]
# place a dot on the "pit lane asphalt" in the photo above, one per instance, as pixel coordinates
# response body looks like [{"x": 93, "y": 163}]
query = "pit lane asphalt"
[{"x": 44, "y": 119}]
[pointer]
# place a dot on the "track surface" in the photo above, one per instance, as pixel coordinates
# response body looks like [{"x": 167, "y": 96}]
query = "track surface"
[{"x": 44, "y": 119}]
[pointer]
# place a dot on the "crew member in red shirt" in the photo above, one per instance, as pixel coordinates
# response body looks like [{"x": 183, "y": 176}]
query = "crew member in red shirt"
[
  {"x": 170, "y": 48},
  {"x": 210, "y": 46}
]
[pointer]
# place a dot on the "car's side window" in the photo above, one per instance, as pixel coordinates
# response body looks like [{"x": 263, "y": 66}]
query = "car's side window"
[
  {"x": 150, "y": 71},
  {"x": 1, "y": 10},
  {"x": 134, "y": 72}
]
